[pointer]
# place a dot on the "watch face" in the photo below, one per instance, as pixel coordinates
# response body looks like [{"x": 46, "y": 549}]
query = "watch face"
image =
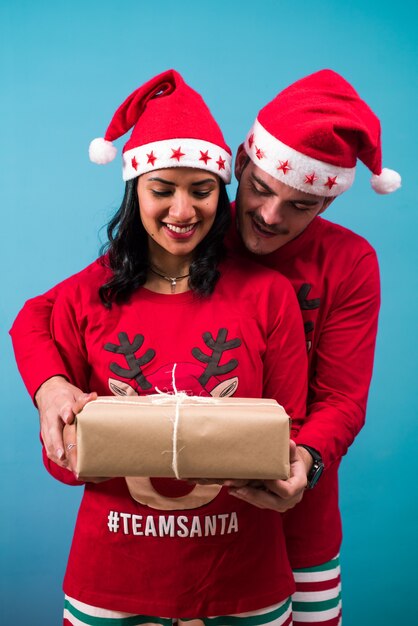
[
  {"x": 315, "y": 474},
  {"x": 317, "y": 466}
]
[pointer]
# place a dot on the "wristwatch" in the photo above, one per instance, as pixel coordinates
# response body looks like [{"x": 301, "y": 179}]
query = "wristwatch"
[{"x": 316, "y": 469}]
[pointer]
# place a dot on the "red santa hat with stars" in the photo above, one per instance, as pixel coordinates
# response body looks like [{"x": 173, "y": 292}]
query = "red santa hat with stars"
[
  {"x": 172, "y": 127},
  {"x": 311, "y": 135}
]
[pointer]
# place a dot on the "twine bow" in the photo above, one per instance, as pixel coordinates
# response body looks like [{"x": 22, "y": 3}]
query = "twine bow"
[{"x": 163, "y": 397}]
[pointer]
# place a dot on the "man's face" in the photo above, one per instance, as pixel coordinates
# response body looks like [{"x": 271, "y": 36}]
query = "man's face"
[{"x": 270, "y": 213}]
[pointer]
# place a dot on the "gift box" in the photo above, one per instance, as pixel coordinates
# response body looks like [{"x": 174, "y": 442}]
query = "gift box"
[{"x": 167, "y": 435}]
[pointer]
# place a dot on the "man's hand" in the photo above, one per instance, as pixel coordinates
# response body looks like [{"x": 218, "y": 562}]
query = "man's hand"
[
  {"x": 58, "y": 402},
  {"x": 279, "y": 495}
]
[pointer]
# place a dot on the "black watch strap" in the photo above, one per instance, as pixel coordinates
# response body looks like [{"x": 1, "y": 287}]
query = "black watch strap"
[{"x": 317, "y": 467}]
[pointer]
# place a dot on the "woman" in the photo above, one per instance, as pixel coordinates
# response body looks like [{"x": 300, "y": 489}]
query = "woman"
[{"x": 153, "y": 550}]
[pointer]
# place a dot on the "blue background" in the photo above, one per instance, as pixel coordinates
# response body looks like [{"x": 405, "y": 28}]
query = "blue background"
[{"x": 65, "y": 67}]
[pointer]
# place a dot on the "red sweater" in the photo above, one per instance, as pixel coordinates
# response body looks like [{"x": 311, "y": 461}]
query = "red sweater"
[
  {"x": 336, "y": 278},
  {"x": 163, "y": 552},
  {"x": 335, "y": 275}
]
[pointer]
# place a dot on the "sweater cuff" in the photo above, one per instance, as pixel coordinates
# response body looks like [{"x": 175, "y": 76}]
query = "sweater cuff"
[{"x": 49, "y": 365}]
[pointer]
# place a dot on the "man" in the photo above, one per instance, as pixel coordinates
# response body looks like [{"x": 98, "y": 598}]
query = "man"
[{"x": 299, "y": 155}]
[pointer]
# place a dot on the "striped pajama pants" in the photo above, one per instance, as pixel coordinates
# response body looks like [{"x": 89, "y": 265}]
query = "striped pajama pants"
[
  {"x": 317, "y": 601},
  {"x": 80, "y": 614}
]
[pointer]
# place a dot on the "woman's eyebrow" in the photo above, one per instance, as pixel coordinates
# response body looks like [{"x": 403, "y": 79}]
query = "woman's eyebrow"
[
  {"x": 170, "y": 182},
  {"x": 203, "y": 182},
  {"x": 162, "y": 180}
]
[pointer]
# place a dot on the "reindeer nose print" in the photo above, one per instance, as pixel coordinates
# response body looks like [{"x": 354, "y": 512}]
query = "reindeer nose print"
[
  {"x": 171, "y": 488},
  {"x": 143, "y": 491}
]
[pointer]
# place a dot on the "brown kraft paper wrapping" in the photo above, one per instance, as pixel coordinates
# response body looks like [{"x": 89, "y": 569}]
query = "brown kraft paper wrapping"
[{"x": 182, "y": 436}]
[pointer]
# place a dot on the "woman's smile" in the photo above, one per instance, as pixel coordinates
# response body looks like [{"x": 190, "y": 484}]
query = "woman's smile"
[{"x": 179, "y": 231}]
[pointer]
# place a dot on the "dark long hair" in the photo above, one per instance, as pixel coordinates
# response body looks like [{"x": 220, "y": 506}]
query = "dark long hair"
[{"x": 127, "y": 250}]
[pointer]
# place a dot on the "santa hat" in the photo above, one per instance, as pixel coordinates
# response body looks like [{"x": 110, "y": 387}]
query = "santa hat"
[
  {"x": 311, "y": 135},
  {"x": 172, "y": 127}
]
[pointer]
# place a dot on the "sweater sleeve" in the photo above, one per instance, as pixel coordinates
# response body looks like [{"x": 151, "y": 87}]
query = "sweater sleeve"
[
  {"x": 68, "y": 338},
  {"x": 67, "y": 324},
  {"x": 285, "y": 360},
  {"x": 343, "y": 363},
  {"x": 36, "y": 354},
  {"x": 31, "y": 336}
]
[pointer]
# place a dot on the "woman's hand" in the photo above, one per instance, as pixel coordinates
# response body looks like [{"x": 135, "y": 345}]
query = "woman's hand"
[
  {"x": 70, "y": 446},
  {"x": 70, "y": 439},
  {"x": 58, "y": 401}
]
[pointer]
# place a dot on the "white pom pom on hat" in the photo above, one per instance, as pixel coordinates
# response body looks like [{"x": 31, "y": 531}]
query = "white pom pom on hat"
[
  {"x": 386, "y": 182},
  {"x": 102, "y": 151}
]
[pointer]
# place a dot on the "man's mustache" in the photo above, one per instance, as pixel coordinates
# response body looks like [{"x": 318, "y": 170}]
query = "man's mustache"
[{"x": 276, "y": 230}]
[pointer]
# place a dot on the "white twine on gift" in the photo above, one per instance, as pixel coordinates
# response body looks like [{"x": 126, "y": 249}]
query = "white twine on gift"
[
  {"x": 180, "y": 397},
  {"x": 165, "y": 397}
]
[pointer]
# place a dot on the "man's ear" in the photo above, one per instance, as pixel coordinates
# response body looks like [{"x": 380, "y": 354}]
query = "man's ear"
[
  {"x": 241, "y": 160},
  {"x": 326, "y": 204}
]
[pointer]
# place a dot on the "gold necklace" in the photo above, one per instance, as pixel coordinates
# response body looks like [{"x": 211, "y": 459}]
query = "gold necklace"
[{"x": 171, "y": 279}]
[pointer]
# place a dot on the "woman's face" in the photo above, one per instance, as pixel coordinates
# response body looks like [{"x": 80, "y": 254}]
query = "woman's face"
[{"x": 177, "y": 207}]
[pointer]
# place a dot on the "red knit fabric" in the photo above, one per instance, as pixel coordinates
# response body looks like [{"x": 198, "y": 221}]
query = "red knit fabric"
[
  {"x": 133, "y": 557},
  {"x": 323, "y": 117}
]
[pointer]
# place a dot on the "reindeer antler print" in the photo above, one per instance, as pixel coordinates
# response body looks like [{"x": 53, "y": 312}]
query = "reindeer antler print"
[
  {"x": 128, "y": 349},
  {"x": 218, "y": 346}
]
